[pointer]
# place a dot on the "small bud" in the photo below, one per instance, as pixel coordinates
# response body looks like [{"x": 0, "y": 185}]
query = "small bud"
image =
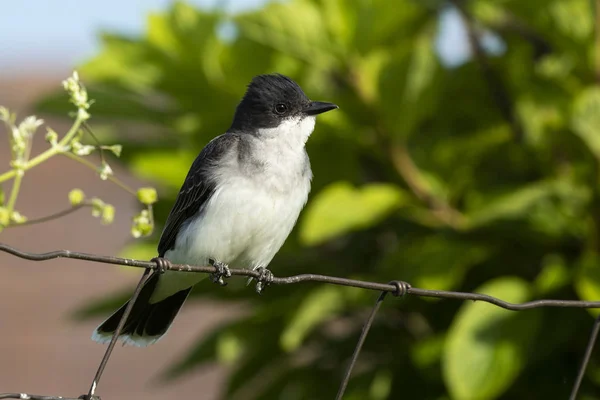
[
  {"x": 17, "y": 218},
  {"x": 18, "y": 141},
  {"x": 108, "y": 214},
  {"x": 83, "y": 115},
  {"x": 81, "y": 149},
  {"x": 142, "y": 224},
  {"x": 147, "y": 195},
  {"x": 52, "y": 137},
  {"x": 105, "y": 171},
  {"x": 29, "y": 125},
  {"x": 97, "y": 207},
  {"x": 78, "y": 95},
  {"x": 5, "y": 115},
  {"x": 116, "y": 149},
  {"x": 76, "y": 197}
]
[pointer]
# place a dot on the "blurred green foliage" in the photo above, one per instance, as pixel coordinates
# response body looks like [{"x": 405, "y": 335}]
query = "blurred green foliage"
[{"x": 484, "y": 177}]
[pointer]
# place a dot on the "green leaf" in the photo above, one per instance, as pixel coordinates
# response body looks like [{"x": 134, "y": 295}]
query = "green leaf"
[
  {"x": 586, "y": 118},
  {"x": 229, "y": 348},
  {"x": 435, "y": 261},
  {"x": 408, "y": 84},
  {"x": 161, "y": 35},
  {"x": 381, "y": 386},
  {"x": 427, "y": 352},
  {"x": 539, "y": 119},
  {"x": 341, "y": 208},
  {"x": 167, "y": 167},
  {"x": 487, "y": 346},
  {"x": 574, "y": 18},
  {"x": 2, "y": 198},
  {"x": 317, "y": 306},
  {"x": 203, "y": 350},
  {"x": 116, "y": 64},
  {"x": 514, "y": 205},
  {"x": 553, "y": 276},
  {"x": 296, "y": 28},
  {"x": 370, "y": 67},
  {"x": 139, "y": 251},
  {"x": 587, "y": 280}
]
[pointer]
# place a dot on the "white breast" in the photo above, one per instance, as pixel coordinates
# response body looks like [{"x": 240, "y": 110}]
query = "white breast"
[{"x": 250, "y": 215}]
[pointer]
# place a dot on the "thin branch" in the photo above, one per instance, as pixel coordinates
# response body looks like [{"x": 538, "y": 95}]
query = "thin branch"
[
  {"x": 92, "y": 166},
  {"x": 88, "y": 129},
  {"x": 405, "y": 166},
  {"x": 50, "y": 217},
  {"x": 402, "y": 161},
  {"x": 384, "y": 287},
  {"x": 511, "y": 24}
]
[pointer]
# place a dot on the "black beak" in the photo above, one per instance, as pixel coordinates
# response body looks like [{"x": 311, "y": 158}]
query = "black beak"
[{"x": 319, "y": 107}]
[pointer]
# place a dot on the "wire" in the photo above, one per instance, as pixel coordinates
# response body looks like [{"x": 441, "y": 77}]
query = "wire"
[{"x": 398, "y": 288}]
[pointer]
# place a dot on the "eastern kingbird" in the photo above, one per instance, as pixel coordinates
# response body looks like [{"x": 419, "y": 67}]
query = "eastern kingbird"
[{"x": 237, "y": 205}]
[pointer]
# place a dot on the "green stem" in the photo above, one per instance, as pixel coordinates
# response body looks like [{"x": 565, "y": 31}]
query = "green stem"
[
  {"x": 52, "y": 216},
  {"x": 111, "y": 178},
  {"x": 15, "y": 192},
  {"x": 8, "y": 175},
  {"x": 40, "y": 158}
]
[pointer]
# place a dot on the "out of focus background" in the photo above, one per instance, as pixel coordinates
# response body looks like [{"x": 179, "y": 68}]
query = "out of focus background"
[{"x": 464, "y": 156}]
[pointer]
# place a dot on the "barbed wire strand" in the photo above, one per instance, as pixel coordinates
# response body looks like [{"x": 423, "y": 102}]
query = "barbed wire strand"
[
  {"x": 444, "y": 294},
  {"x": 586, "y": 358},
  {"x": 115, "y": 337},
  {"x": 359, "y": 344},
  {"x": 384, "y": 288},
  {"x": 401, "y": 288}
]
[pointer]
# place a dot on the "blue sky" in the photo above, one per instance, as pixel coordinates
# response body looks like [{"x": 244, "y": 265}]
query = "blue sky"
[
  {"x": 58, "y": 34},
  {"x": 61, "y": 33}
]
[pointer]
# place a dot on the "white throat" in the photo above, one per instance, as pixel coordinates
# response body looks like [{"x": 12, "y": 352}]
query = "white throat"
[{"x": 293, "y": 132}]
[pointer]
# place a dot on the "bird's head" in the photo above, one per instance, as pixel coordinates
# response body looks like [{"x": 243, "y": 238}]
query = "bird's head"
[{"x": 275, "y": 105}]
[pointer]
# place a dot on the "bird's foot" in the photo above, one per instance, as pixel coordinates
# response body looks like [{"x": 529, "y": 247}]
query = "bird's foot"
[
  {"x": 265, "y": 278},
  {"x": 222, "y": 272}
]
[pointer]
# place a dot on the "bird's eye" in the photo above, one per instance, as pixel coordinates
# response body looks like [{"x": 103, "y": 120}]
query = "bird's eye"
[{"x": 280, "y": 108}]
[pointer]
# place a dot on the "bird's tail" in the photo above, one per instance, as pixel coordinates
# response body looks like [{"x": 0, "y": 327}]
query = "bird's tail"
[{"x": 147, "y": 322}]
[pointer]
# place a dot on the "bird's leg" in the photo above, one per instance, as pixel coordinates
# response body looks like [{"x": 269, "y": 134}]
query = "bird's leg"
[
  {"x": 222, "y": 272},
  {"x": 264, "y": 279}
]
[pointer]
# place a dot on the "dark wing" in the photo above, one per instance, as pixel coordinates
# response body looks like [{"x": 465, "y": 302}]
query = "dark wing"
[{"x": 196, "y": 189}]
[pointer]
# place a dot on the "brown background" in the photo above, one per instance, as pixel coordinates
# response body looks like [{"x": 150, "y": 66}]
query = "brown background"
[{"x": 43, "y": 350}]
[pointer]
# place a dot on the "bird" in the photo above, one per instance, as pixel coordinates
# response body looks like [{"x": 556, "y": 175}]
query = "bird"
[{"x": 236, "y": 207}]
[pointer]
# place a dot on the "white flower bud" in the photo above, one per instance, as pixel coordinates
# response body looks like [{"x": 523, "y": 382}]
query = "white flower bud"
[{"x": 105, "y": 171}]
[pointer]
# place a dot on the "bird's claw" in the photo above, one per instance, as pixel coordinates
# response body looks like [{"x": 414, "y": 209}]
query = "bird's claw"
[
  {"x": 265, "y": 278},
  {"x": 222, "y": 272}
]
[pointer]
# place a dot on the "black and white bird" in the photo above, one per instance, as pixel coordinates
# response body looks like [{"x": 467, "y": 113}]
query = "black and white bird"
[{"x": 237, "y": 205}]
